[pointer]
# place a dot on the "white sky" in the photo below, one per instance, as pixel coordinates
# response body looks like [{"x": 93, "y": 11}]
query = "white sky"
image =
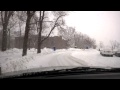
[{"x": 100, "y": 25}]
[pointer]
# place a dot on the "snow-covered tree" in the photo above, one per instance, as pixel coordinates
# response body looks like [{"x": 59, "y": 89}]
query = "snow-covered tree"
[{"x": 44, "y": 23}]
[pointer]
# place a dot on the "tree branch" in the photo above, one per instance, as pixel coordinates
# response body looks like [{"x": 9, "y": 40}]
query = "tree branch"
[
  {"x": 10, "y": 14},
  {"x": 20, "y": 17},
  {"x": 48, "y": 21},
  {"x": 48, "y": 34},
  {"x": 33, "y": 13},
  {"x": 52, "y": 28},
  {"x": 43, "y": 15},
  {"x": 12, "y": 25},
  {"x": 42, "y": 21},
  {"x": 5, "y": 17}
]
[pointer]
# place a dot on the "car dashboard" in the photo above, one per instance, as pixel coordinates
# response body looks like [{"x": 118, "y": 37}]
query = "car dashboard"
[
  {"x": 76, "y": 76},
  {"x": 74, "y": 73}
]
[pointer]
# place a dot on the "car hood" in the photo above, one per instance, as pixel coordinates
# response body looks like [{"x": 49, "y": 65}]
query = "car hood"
[{"x": 46, "y": 69}]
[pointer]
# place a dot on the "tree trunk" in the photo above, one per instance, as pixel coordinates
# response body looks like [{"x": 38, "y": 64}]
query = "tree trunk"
[
  {"x": 27, "y": 29},
  {"x": 9, "y": 40},
  {"x": 20, "y": 36},
  {"x": 5, "y": 16},
  {"x": 39, "y": 35},
  {"x": 39, "y": 43},
  {"x": 29, "y": 44},
  {"x": 4, "y": 38}
]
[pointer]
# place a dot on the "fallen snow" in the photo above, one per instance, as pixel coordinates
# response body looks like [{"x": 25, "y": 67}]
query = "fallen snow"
[
  {"x": 93, "y": 58},
  {"x": 11, "y": 60}
]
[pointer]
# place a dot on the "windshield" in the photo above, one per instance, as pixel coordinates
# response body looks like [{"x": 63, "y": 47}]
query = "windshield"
[{"x": 51, "y": 40}]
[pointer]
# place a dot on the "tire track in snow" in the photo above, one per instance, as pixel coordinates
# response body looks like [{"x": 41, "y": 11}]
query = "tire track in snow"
[
  {"x": 65, "y": 59},
  {"x": 80, "y": 62},
  {"x": 57, "y": 60}
]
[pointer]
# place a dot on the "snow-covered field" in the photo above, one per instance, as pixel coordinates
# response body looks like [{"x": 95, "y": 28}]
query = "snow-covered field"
[{"x": 11, "y": 60}]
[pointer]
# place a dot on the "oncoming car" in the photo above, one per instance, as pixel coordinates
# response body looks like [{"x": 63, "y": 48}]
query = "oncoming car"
[{"x": 106, "y": 52}]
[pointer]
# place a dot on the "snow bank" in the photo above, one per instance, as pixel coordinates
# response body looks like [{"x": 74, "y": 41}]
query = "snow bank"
[
  {"x": 11, "y": 51},
  {"x": 12, "y": 60},
  {"x": 46, "y": 51},
  {"x": 10, "y": 55}
]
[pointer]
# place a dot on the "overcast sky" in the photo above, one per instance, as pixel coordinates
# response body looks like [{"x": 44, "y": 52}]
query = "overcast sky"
[{"x": 100, "y": 25}]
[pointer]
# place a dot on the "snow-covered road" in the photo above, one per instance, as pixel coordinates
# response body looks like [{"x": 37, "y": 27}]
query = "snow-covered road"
[
  {"x": 65, "y": 59},
  {"x": 58, "y": 58},
  {"x": 49, "y": 58},
  {"x": 76, "y": 57}
]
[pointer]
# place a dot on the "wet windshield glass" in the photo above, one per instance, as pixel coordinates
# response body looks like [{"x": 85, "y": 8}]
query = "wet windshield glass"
[{"x": 48, "y": 40}]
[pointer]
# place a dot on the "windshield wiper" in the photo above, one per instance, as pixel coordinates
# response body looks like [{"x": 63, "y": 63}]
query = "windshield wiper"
[{"x": 76, "y": 70}]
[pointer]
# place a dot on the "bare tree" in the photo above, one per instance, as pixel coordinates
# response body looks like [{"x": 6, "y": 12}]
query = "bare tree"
[
  {"x": 21, "y": 20},
  {"x": 11, "y": 27},
  {"x": 27, "y": 29},
  {"x": 54, "y": 23},
  {"x": 21, "y": 16},
  {"x": 101, "y": 45},
  {"x": 68, "y": 34},
  {"x": 0, "y": 38},
  {"x": 5, "y": 17},
  {"x": 79, "y": 40},
  {"x": 41, "y": 18},
  {"x": 114, "y": 44},
  {"x": 83, "y": 41},
  {"x": 118, "y": 45}
]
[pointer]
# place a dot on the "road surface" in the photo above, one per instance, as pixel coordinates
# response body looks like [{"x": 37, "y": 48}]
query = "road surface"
[
  {"x": 75, "y": 58},
  {"x": 59, "y": 58}
]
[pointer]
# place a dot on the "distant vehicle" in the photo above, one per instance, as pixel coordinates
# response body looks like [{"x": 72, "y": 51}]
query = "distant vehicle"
[
  {"x": 106, "y": 52},
  {"x": 117, "y": 53}
]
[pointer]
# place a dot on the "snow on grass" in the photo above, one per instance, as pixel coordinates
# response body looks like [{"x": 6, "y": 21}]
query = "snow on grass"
[{"x": 12, "y": 60}]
